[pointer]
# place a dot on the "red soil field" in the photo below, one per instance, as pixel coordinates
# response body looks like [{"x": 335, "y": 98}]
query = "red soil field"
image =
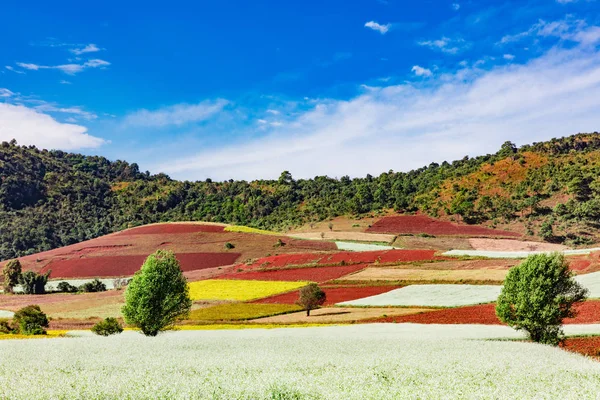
[
  {"x": 334, "y": 294},
  {"x": 344, "y": 257},
  {"x": 314, "y": 274},
  {"x": 588, "y": 346},
  {"x": 415, "y": 224},
  {"x": 172, "y": 228},
  {"x": 589, "y": 312},
  {"x": 127, "y": 265}
]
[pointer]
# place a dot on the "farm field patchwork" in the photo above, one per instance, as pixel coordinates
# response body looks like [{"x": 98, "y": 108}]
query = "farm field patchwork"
[
  {"x": 127, "y": 265},
  {"x": 513, "y": 245},
  {"x": 353, "y": 246},
  {"x": 427, "y": 275},
  {"x": 418, "y": 224},
  {"x": 351, "y": 362},
  {"x": 339, "y": 314},
  {"x": 313, "y": 274},
  {"x": 240, "y": 311},
  {"x": 240, "y": 290},
  {"x": 167, "y": 228},
  {"x": 514, "y": 254},
  {"x": 431, "y": 296},
  {"x": 335, "y": 294},
  {"x": 335, "y": 235}
]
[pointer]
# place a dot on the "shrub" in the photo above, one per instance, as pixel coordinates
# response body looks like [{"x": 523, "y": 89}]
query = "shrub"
[
  {"x": 229, "y": 246},
  {"x": 157, "y": 295},
  {"x": 94, "y": 286},
  {"x": 30, "y": 320},
  {"x": 537, "y": 295},
  {"x": 34, "y": 283},
  {"x": 12, "y": 275},
  {"x": 110, "y": 326},
  {"x": 279, "y": 243},
  {"x": 66, "y": 287},
  {"x": 5, "y": 326},
  {"x": 311, "y": 297}
]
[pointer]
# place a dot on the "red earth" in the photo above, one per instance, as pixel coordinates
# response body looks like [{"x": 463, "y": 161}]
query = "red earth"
[
  {"x": 172, "y": 228},
  {"x": 588, "y": 346},
  {"x": 313, "y": 274},
  {"x": 128, "y": 265},
  {"x": 415, "y": 224},
  {"x": 589, "y": 312},
  {"x": 344, "y": 257},
  {"x": 335, "y": 294}
]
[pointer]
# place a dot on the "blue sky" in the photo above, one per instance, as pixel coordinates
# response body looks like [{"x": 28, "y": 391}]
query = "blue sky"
[{"x": 245, "y": 90}]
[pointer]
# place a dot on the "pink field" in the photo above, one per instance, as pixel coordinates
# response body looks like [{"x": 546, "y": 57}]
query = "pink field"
[
  {"x": 127, "y": 265},
  {"x": 415, "y": 224}
]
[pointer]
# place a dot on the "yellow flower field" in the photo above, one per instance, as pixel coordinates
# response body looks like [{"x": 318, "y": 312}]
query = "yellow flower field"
[
  {"x": 220, "y": 289},
  {"x": 240, "y": 311},
  {"x": 51, "y": 334},
  {"x": 247, "y": 229}
]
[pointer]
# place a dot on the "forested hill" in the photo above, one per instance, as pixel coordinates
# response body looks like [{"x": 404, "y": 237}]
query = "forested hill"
[{"x": 50, "y": 199}]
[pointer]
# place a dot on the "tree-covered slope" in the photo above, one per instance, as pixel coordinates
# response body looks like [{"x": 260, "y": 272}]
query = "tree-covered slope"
[{"x": 50, "y": 199}]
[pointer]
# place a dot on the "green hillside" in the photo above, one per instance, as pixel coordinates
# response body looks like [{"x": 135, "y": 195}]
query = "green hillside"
[{"x": 50, "y": 199}]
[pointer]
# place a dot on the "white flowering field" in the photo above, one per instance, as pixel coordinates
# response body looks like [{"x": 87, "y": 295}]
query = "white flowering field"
[
  {"x": 591, "y": 282},
  {"x": 353, "y": 246},
  {"x": 352, "y": 362},
  {"x": 514, "y": 254},
  {"x": 431, "y": 295},
  {"x": 6, "y": 314}
]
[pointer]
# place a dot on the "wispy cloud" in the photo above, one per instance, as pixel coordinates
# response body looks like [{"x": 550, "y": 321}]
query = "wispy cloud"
[
  {"x": 90, "y": 48},
  {"x": 410, "y": 125},
  {"x": 64, "y": 82},
  {"x": 383, "y": 29},
  {"x": 575, "y": 30},
  {"x": 446, "y": 45},
  {"x": 455, "y": 6},
  {"x": 69, "y": 69},
  {"x": 508, "y": 57},
  {"x": 420, "y": 71},
  {"x": 179, "y": 114},
  {"x": 53, "y": 108},
  {"x": 11, "y": 68},
  {"x": 30, "y": 126},
  {"x": 6, "y": 93}
]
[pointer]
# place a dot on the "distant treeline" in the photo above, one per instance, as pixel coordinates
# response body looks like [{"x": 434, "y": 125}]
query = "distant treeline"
[{"x": 52, "y": 198}]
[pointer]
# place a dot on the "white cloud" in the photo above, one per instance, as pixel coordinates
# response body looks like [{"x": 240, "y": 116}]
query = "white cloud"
[
  {"x": 274, "y": 112},
  {"x": 383, "y": 29},
  {"x": 31, "y": 127},
  {"x": 70, "y": 69},
  {"x": 90, "y": 48},
  {"x": 6, "y": 93},
  {"x": 49, "y": 108},
  {"x": 420, "y": 71},
  {"x": 64, "y": 82},
  {"x": 10, "y": 68},
  {"x": 508, "y": 57},
  {"x": 455, "y": 6},
  {"x": 178, "y": 114},
  {"x": 446, "y": 45},
  {"x": 575, "y": 30},
  {"x": 413, "y": 124}
]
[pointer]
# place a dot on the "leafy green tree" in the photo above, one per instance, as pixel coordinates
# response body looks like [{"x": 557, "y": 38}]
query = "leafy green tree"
[
  {"x": 311, "y": 297},
  {"x": 31, "y": 320},
  {"x": 34, "y": 283},
  {"x": 157, "y": 295},
  {"x": 110, "y": 326},
  {"x": 12, "y": 274},
  {"x": 93, "y": 286},
  {"x": 537, "y": 295},
  {"x": 66, "y": 287},
  {"x": 546, "y": 231}
]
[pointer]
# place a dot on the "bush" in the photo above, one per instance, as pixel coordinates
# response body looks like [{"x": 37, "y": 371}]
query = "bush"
[
  {"x": 12, "y": 275},
  {"x": 30, "y": 320},
  {"x": 34, "y": 283},
  {"x": 5, "y": 326},
  {"x": 92, "y": 287},
  {"x": 229, "y": 246},
  {"x": 66, "y": 287},
  {"x": 537, "y": 295},
  {"x": 110, "y": 326},
  {"x": 157, "y": 295},
  {"x": 311, "y": 297}
]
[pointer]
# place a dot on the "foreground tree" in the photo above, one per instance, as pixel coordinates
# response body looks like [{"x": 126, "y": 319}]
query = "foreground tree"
[
  {"x": 537, "y": 295},
  {"x": 30, "y": 320},
  {"x": 158, "y": 294},
  {"x": 12, "y": 274},
  {"x": 311, "y": 297}
]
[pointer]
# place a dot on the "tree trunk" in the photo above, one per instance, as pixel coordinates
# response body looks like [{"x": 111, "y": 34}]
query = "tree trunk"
[{"x": 308, "y": 313}]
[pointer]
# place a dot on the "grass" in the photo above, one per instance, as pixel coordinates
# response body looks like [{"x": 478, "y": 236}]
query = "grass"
[
  {"x": 241, "y": 311},
  {"x": 240, "y": 290},
  {"x": 50, "y": 335},
  {"x": 247, "y": 229}
]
